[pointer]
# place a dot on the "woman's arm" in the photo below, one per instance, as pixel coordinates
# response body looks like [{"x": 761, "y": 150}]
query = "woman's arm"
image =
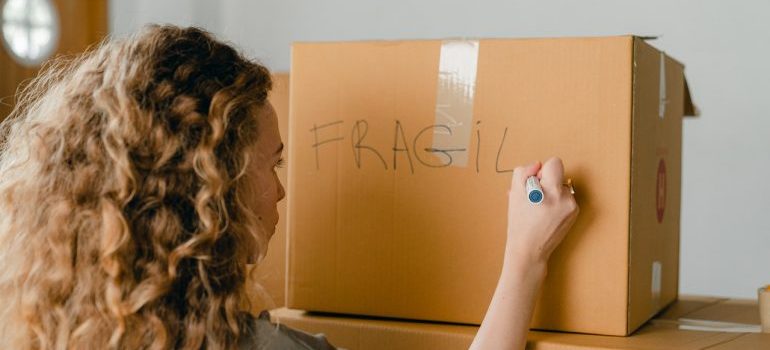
[
  {"x": 534, "y": 231},
  {"x": 507, "y": 320}
]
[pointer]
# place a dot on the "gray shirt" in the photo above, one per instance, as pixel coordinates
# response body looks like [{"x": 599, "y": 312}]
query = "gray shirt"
[{"x": 263, "y": 334}]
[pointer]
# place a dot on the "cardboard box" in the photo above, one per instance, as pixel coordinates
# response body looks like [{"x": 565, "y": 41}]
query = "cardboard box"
[
  {"x": 401, "y": 161},
  {"x": 267, "y": 285},
  {"x": 662, "y": 333}
]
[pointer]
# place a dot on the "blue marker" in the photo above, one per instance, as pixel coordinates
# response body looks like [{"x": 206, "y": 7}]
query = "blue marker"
[{"x": 534, "y": 191}]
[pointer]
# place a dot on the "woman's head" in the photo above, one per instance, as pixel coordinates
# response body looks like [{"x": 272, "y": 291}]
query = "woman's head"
[{"x": 135, "y": 185}]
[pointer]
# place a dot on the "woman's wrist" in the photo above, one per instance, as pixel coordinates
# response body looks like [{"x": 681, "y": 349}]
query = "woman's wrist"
[
  {"x": 522, "y": 262},
  {"x": 517, "y": 255}
]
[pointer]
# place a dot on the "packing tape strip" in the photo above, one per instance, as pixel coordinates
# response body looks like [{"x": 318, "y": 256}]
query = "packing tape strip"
[
  {"x": 662, "y": 87},
  {"x": 657, "y": 281},
  {"x": 709, "y": 326},
  {"x": 458, "y": 63},
  {"x": 764, "y": 308}
]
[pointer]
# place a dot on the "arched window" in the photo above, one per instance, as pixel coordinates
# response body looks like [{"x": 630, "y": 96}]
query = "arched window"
[{"x": 30, "y": 30}]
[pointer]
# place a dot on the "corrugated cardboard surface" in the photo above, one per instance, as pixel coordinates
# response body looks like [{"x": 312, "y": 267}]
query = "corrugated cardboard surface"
[
  {"x": 381, "y": 232},
  {"x": 653, "y": 337},
  {"x": 728, "y": 310},
  {"x": 373, "y": 334},
  {"x": 687, "y": 305},
  {"x": 362, "y": 333},
  {"x": 750, "y": 341},
  {"x": 656, "y": 154},
  {"x": 268, "y": 283}
]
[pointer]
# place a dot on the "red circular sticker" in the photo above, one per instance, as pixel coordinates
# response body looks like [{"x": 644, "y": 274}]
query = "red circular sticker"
[{"x": 660, "y": 192}]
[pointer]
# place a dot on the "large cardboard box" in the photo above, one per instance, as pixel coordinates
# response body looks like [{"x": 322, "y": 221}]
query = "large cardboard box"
[
  {"x": 671, "y": 330},
  {"x": 267, "y": 282},
  {"x": 401, "y": 161}
]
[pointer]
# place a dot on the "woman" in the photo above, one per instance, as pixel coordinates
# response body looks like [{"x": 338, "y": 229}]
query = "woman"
[{"x": 137, "y": 182}]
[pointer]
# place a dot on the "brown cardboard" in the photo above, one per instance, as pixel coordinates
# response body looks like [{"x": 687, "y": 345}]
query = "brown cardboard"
[
  {"x": 687, "y": 305},
  {"x": 749, "y": 341},
  {"x": 763, "y": 298},
  {"x": 373, "y": 334},
  {"x": 719, "y": 315},
  {"x": 652, "y": 336},
  {"x": 393, "y": 235},
  {"x": 267, "y": 285},
  {"x": 730, "y": 310},
  {"x": 656, "y": 148},
  {"x": 368, "y": 333}
]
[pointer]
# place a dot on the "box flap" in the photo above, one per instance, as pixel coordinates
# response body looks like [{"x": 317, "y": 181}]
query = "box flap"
[{"x": 690, "y": 109}]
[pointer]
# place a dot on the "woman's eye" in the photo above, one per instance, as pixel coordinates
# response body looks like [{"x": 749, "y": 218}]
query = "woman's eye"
[{"x": 281, "y": 163}]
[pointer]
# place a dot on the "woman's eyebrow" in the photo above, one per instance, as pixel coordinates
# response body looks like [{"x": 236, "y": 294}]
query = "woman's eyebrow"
[{"x": 280, "y": 149}]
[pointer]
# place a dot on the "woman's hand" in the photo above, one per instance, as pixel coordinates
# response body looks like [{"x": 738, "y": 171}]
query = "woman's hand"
[{"x": 535, "y": 230}]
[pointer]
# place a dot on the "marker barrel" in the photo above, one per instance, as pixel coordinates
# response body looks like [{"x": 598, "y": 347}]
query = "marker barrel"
[{"x": 534, "y": 191}]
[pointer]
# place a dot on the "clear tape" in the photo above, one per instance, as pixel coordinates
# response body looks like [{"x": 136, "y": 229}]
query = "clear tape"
[
  {"x": 763, "y": 295},
  {"x": 710, "y": 326},
  {"x": 457, "y": 69},
  {"x": 657, "y": 281},
  {"x": 662, "y": 101}
]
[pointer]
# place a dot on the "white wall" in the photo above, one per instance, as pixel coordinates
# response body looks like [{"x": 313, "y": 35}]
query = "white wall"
[
  {"x": 725, "y": 46},
  {"x": 127, "y": 16}
]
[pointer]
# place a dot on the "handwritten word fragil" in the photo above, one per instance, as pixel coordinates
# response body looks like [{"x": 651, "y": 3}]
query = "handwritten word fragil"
[{"x": 401, "y": 146}]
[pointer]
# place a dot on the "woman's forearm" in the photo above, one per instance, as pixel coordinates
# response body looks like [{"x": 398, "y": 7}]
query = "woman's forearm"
[
  {"x": 506, "y": 323},
  {"x": 534, "y": 231}
]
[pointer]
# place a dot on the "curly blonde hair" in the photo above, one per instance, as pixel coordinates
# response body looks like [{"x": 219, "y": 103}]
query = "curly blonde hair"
[{"x": 122, "y": 218}]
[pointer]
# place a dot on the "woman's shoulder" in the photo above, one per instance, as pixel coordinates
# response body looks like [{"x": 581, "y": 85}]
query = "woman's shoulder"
[{"x": 260, "y": 333}]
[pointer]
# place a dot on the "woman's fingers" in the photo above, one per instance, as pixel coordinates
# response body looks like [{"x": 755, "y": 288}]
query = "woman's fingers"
[
  {"x": 552, "y": 174},
  {"x": 521, "y": 173}
]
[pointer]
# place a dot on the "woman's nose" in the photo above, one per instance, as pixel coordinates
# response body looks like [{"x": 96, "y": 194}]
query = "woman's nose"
[{"x": 281, "y": 191}]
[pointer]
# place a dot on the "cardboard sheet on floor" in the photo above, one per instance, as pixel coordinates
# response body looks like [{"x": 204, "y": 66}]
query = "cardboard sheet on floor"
[{"x": 369, "y": 333}]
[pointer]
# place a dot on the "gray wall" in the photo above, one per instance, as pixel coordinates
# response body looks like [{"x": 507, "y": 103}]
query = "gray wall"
[{"x": 725, "y": 46}]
